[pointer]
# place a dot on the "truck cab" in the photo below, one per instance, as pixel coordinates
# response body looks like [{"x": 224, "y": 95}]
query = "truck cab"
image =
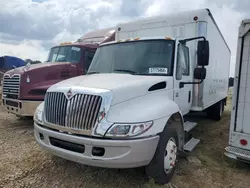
[
  {"x": 123, "y": 108},
  {"x": 24, "y": 88},
  {"x": 128, "y": 110}
]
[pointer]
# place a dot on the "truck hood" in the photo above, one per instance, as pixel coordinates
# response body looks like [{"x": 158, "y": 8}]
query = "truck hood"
[
  {"x": 48, "y": 65},
  {"x": 41, "y": 77},
  {"x": 123, "y": 86}
]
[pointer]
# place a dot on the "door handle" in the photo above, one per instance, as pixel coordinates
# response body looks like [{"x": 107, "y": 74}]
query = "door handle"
[{"x": 189, "y": 96}]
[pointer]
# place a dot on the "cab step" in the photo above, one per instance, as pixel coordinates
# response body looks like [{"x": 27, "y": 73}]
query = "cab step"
[
  {"x": 188, "y": 126},
  {"x": 191, "y": 144}
]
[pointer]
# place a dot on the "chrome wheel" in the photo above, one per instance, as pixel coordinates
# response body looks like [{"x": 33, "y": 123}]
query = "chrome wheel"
[{"x": 170, "y": 155}]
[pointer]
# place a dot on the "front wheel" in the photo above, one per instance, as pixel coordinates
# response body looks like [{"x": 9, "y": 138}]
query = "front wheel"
[{"x": 163, "y": 164}]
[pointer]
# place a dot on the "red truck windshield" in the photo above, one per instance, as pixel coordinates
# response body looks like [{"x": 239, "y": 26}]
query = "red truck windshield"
[{"x": 65, "y": 54}]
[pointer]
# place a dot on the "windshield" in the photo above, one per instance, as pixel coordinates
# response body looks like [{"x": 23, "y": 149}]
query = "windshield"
[
  {"x": 65, "y": 54},
  {"x": 148, "y": 57}
]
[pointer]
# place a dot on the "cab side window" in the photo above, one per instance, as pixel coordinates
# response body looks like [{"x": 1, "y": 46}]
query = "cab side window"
[
  {"x": 183, "y": 66},
  {"x": 88, "y": 59},
  {"x": 186, "y": 71}
]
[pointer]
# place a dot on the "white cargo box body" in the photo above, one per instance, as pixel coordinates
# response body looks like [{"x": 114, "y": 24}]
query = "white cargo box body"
[
  {"x": 183, "y": 25},
  {"x": 239, "y": 139}
]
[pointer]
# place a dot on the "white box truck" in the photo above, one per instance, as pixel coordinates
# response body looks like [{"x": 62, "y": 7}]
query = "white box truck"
[
  {"x": 239, "y": 136},
  {"x": 128, "y": 111}
]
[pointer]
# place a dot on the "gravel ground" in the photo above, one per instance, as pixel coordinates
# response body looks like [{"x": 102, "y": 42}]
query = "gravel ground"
[{"x": 24, "y": 164}]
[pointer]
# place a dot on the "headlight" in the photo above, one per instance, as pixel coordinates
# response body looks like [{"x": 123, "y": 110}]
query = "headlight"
[
  {"x": 28, "y": 79},
  {"x": 38, "y": 116},
  {"x": 128, "y": 130}
]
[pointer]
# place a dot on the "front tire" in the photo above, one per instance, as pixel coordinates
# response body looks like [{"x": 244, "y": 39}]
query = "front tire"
[{"x": 163, "y": 164}]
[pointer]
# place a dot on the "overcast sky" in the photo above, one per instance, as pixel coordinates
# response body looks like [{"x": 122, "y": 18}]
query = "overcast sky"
[{"x": 28, "y": 28}]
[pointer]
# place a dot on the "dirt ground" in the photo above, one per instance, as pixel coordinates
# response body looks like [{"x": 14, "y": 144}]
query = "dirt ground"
[{"x": 24, "y": 164}]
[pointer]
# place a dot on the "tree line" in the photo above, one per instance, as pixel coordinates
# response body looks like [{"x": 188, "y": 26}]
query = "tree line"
[{"x": 32, "y": 62}]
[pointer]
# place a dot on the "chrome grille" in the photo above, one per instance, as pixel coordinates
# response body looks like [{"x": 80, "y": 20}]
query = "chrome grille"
[
  {"x": 80, "y": 112},
  {"x": 11, "y": 85}
]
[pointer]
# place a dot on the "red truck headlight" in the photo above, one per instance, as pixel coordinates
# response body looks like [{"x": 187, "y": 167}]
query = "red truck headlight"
[{"x": 28, "y": 79}]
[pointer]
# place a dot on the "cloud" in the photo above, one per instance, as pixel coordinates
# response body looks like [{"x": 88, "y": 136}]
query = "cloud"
[
  {"x": 52, "y": 21},
  {"x": 31, "y": 20},
  {"x": 49, "y": 22},
  {"x": 25, "y": 50},
  {"x": 165, "y": 7},
  {"x": 240, "y": 6},
  {"x": 44, "y": 21}
]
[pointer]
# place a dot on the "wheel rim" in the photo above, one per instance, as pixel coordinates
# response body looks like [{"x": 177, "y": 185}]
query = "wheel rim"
[{"x": 170, "y": 155}]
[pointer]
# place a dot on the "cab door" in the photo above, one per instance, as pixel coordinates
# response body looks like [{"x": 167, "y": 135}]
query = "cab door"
[
  {"x": 88, "y": 57},
  {"x": 183, "y": 93}
]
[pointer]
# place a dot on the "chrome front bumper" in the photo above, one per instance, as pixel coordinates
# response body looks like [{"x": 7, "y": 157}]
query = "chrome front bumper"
[
  {"x": 117, "y": 153},
  {"x": 20, "y": 107}
]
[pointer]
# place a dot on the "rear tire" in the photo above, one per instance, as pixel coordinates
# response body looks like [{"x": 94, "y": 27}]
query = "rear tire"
[
  {"x": 215, "y": 112},
  {"x": 163, "y": 164}
]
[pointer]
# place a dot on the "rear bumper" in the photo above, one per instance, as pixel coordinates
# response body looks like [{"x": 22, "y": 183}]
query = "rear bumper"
[
  {"x": 237, "y": 154},
  {"x": 20, "y": 107},
  {"x": 117, "y": 153}
]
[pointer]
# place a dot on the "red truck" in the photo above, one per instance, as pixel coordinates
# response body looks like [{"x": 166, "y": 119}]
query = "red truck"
[{"x": 24, "y": 88}]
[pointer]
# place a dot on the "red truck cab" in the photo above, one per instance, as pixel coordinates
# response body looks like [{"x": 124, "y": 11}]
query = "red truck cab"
[{"x": 24, "y": 88}]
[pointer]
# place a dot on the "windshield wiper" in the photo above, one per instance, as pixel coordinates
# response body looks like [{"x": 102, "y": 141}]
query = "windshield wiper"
[
  {"x": 94, "y": 72},
  {"x": 125, "y": 70}
]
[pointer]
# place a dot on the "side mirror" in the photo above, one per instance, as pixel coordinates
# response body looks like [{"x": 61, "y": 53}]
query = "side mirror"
[
  {"x": 203, "y": 53},
  {"x": 200, "y": 73}
]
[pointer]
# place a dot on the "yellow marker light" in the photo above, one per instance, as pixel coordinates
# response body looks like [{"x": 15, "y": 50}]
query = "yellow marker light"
[
  {"x": 137, "y": 38},
  {"x": 168, "y": 38},
  {"x": 63, "y": 43}
]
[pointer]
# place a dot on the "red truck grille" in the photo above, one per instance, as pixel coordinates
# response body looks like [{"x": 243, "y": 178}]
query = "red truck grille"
[
  {"x": 79, "y": 112},
  {"x": 11, "y": 86}
]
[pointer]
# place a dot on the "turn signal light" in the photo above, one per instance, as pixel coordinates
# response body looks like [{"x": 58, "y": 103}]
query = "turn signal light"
[{"x": 243, "y": 142}]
